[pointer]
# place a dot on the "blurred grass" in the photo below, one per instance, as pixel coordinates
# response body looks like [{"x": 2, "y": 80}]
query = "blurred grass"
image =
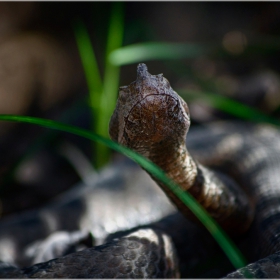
[
  {"x": 111, "y": 79},
  {"x": 103, "y": 94},
  {"x": 89, "y": 62},
  {"x": 155, "y": 51},
  {"x": 230, "y": 106},
  {"x": 44, "y": 139},
  {"x": 142, "y": 52},
  {"x": 92, "y": 75}
]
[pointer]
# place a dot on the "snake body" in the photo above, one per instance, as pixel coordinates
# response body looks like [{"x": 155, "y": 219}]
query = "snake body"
[{"x": 153, "y": 120}]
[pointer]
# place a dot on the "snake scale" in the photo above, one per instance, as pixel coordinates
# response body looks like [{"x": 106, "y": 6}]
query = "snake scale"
[{"x": 153, "y": 120}]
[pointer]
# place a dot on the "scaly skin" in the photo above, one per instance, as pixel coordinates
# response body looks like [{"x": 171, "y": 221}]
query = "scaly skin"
[{"x": 153, "y": 120}]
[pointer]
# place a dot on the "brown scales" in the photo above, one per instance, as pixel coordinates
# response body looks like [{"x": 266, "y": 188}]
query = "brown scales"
[{"x": 153, "y": 120}]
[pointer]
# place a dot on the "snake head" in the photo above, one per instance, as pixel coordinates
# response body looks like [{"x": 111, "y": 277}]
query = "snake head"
[{"x": 148, "y": 111}]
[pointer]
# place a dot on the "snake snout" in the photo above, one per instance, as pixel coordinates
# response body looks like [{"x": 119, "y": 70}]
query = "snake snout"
[{"x": 142, "y": 71}]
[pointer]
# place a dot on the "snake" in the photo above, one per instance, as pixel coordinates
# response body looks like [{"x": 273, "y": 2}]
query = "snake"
[{"x": 230, "y": 168}]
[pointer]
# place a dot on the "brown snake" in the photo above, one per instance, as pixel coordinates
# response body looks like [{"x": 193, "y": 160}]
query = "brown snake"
[{"x": 153, "y": 120}]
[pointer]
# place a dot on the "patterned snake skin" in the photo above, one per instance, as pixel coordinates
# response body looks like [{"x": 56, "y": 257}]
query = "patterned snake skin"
[{"x": 250, "y": 154}]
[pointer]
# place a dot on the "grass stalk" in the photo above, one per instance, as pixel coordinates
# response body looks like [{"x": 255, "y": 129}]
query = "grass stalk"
[
  {"x": 92, "y": 73},
  {"x": 157, "y": 51},
  {"x": 111, "y": 80},
  {"x": 230, "y": 106}
]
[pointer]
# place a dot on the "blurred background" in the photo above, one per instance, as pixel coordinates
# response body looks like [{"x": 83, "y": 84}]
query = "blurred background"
[{"x": 65, "y": 61}]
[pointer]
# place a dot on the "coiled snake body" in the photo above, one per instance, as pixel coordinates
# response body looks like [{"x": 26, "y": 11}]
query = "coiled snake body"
[{"x": 153, "y": 120}]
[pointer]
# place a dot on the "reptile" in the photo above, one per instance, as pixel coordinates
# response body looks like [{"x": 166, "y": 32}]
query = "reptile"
[{"x": 232, "y": 169}]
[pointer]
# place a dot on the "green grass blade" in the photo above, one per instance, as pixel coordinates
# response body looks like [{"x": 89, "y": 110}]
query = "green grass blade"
[
  {"x": 155, "y": 51},
  {"x": 89, "y": 63},
  {"x": 226, "y": 244},
  {"x": 162, "y": 51},
  {"x": 92, "y": 74},
  {"x": 230, "y": 106},
  {"x": 45, "y": 138},
  {"x": 111, "y": 79}
]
